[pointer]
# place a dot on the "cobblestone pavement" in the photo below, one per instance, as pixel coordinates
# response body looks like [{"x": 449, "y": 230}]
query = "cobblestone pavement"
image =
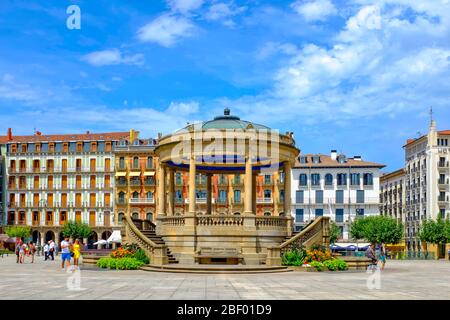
[{"x": 46, "y": 280}]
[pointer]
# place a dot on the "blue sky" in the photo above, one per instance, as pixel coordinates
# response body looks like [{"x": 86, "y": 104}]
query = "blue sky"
[{"x": 357, "y": 76}]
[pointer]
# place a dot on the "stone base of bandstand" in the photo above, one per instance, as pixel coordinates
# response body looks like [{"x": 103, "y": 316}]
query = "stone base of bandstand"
[{"x": 186, "y": 241}]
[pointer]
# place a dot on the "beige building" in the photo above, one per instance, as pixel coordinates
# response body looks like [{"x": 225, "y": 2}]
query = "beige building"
[
  {"x": 427, "y": 174},
  {"x": 393, "y": 195}
]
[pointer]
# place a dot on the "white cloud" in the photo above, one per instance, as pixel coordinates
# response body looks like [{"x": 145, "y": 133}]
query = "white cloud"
[
  {"x": 316, "y": 10},
  {"x": 184, "y": 6},
  {"x": 385, "y": 60},
  {"x": 112, "y": 57},
  {"x": 183, "y": 108},
  {"x": 166, "y": 30},
  {"x": 223, "y": 12}
]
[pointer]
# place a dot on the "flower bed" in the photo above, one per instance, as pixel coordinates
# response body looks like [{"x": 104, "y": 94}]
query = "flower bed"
[
  {"x": 120, "y": 263},
  {"x": 318, "y": 259}
]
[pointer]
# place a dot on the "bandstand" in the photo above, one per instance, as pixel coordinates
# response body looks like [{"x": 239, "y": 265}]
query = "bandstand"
[{"x": 224, "y": 145}]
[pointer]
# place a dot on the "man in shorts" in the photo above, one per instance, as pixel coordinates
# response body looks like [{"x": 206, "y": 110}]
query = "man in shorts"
[{"x": 65, "y": 252}]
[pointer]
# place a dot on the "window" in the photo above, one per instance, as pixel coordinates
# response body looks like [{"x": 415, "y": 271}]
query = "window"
[
  {"x": 93, "y": 146},
  {"x": 149, "y": 162},
  {"x": 136, "y": 162},
  {"x": 51, "y": 147},
  {"x": 341, "y": 179},
  {"x": 354, "y": 179},
  {"x": 178, "y": 178},
  {"x": 222, "y": 196},
  {"x": 368, "y": 179},
  {"x": 328, "y": 179},
  {"x": 315, "y": 179},
  {"x": 135, "y": 216},
  {"x": 299, "y": 196},
  {"x": 37, "y": 147},
  {"x": 24, "y": 148},
  {"x": 281, "y": 195},
  {"x": 316, "y": 159},
  {"x": 14, "y": 148},
  {"x": 339, "y": 215},
  {"x": 298, "y": 215},
  {"x": 237, "y": 195},
  {"x": 108, "y": 146},
  {"x": 267, "y": 214},
  {"x": 149, "y": 216},
  {"x": 178, "y": 195},
  {"x": 303, "y": 179},
  {"x": 339, "y": 196},
  {"x": 267, "y": 194},
  {"x": 342, "y": 159},
  {"x": 135, "y": 195},
  {"x": 319, "y": 196},
  {"x": 359, "y": 196},
  {"x": 237, "y": 178},
  {"x": 121, "y": 163},
  {"x": 267, "y": 179},
  {"x": 79, "y": 146},
  {"x": 319, "y": 213},
  {"x": 302, "y": 159},
  {"x": 65, "y": 147},
  {"x": 360, "y": 212},
  {"x": 121, "y": 197},
  {"x": 149, "y": 195}
]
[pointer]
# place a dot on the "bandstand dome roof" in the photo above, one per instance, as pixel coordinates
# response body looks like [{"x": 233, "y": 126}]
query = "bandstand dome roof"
[{"x": 227, "y": 121}]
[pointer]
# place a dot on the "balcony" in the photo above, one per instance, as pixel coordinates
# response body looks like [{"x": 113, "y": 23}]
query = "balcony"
[
  {"x": 142, "y": 200},
  {"x": 199, "y": 200},
  {"x": 264, "y": 200},
  {"x": 443, "y": 165},
  {"x": 135, "y": 183},
  {"x": 222, "y": 201},
  {"x": 238, "y": 182},
  {"x": 149, "y": 183},
  {"x": 121, "y": 183}
]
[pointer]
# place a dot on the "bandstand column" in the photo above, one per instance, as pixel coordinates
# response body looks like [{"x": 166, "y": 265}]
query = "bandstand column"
[
  {"x": 208, "y": 193},
  {"x": 248, "y": 203},
  {"x": 171, "y": 194},
  {"x": 192, "y": 173},
  {"x": 276, "y": 193},
  {"x": 287, "y": 196},
  {"x": 161, "y": 190}
]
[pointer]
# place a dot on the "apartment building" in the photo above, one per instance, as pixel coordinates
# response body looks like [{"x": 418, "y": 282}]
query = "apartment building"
[
  {"x": 55, "y": 178},
  {"x": 3, "y": 141},
  {"x": 336, "y": 186},
  {"x": 393, "y": 195},
  {"x": 427, "y": 174}
]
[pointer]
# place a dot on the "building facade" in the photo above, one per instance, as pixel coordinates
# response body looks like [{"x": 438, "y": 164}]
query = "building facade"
[
  {"x": 2, "y": 181},
  {"x": 393, "y": 195},
  {"x": 334, "y": 186},
  {"x": 427, "y": 181},
  {"x": 56, "y": 178}
]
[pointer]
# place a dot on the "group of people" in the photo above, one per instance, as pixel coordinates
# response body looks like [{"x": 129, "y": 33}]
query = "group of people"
[
  {"x": 25, "y": 249},
  {"x": 377, "y": 256},
  {"x": 68, "y": 251}
]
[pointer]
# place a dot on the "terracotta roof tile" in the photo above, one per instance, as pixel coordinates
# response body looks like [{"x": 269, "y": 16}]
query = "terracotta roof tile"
[
  {"x": 326, "y": 161},
  {"x": 3, "y": 139},
  {"x": 444, "y": 132},
  {"x": 71, "y": 137}
]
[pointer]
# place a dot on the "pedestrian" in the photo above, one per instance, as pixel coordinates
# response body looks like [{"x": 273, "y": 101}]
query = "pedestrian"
[
  {"x": 51, "y": 249},
  {"x": 76, "y": 252},
  {"x": 22, "y": 248},
  {"x": 65, "y": 252},
  {"x": 370, "y": 253},
  {"x": 382, "y": 255},
  {"x": 46, "y": 251},
  {"x": 32, "y": 249},
  {"x": 17, "y": 250}
]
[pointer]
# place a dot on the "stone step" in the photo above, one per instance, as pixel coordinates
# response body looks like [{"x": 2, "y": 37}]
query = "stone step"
[{"x": 209, "y": 270}]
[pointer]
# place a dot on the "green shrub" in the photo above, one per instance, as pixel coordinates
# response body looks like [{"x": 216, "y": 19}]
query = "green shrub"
[
  {"x": 293, "y": 258},
  {"x": 330, "y": 265},
  {"x": 120, "y": 264},
  {"x": 318, "y": 265},
  {"x": 141, "y": 256},
  {"x": 341, "y": 264}
]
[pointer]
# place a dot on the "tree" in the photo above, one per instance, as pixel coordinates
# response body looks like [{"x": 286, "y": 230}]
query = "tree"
[
  {"x": 18, "y": 231},
  {"x": 435, "y": 231},
  {"x": 335, "y": 232},
  {"x": 377, "y": 229},
  {"x": 76, "y": 230}
]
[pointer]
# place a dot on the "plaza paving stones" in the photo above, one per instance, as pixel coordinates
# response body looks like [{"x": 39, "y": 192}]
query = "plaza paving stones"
[{"x": 407, "y": 280}]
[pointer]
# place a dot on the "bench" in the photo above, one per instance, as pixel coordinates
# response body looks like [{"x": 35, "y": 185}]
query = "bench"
[{"x": 209, "y": 255}]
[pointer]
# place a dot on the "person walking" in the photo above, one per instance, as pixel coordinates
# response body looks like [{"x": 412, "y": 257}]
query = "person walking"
[
  {"x": 32, "y": 249},
  {"x": 46, "y": 251},
  {"x": 76, "y": 252},
  {"x": 370, "y": 253},
  {"x": 51, "y": 249},
  {"x": 65, "y": 252},
  {"x": 22, "y": 248},
  {"x": 382, "y": 255},
  {"x": 17, "y": 250}
]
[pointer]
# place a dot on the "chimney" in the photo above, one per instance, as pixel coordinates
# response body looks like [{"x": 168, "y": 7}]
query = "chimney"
[
  {"x": 357, "y": 158},
  {"x": 133, "y": 135},
  {"x": 333, "y": 154},
  {"x": 9, "y": 135}
]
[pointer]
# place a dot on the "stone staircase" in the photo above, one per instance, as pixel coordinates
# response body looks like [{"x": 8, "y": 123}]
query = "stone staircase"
[{"x": 151, "y": 234}]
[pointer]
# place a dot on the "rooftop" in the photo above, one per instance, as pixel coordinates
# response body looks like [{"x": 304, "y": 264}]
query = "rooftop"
[
  {"x": 327, "y": 161},
  {"x": 88, "y": 136}
]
